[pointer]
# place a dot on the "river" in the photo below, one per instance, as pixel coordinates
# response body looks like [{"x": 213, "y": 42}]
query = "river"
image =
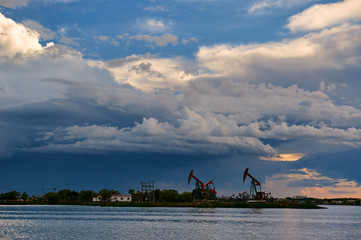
[{"x": 91, "y": 222}]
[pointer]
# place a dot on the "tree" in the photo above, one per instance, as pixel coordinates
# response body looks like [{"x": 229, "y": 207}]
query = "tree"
[
  {"x": 52, "y": 197},
  {"x": 137, "y": 197},
  {"x": 186, "y": 197},
  {"x": 131, "y": 192},
  {"x": 72, "y": 196},
  {"x": 169, "y": 195},
  {"x": 106, "y": 194},
  {"x": 63, "y": 195},
  {"x": 24, "y": 196},
  {"x": 86, "y": 195},
  {"x": 157, "y": 195},
  {"x": 2, "y": 197},
  {"x": 11, "y": 196}
]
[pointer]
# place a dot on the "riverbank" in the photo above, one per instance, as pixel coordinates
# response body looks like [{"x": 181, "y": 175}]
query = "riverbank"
[
  {"x": 204, "y": 204},
  {"x": 210, "y": 204}
]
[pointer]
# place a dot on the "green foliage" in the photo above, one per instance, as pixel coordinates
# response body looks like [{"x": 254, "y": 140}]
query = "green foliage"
[
  {"x": 63, "y": 194},
  {"x": 186, "y": 197},
  {"x": 165, "y": 195},
  {"x": 209, "y": 194},
  {"x": 137, "y": 197},
  {"x": 106, "y": 194},
  {"x": 66, "y": 196},
  {"x": 10, "y": 196},
  {"x": 131, "y": 192},
  {"x": 86, "y": 195},
  {"x": 157, "y": 195},
  {"x": 24, "y": 196},
  {"x": 52, "y": 197},
  {"x": 169, "y": 195}
]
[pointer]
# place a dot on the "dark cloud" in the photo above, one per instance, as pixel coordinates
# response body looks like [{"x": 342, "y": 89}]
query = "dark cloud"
[{"x": 149, "y": 116}]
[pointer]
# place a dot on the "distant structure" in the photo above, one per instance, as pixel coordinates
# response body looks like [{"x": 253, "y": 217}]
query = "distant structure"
[
  {"x": 121, "y": 198},
  {"x": 115, "y": 198},
  {"x": 202, "y": 191},
  {"x": 147, "y": 191},
  {"x": 255, "y": 193}
]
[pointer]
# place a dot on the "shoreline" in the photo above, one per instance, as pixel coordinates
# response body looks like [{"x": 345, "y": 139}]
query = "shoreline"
[{"x": 206, "y": 204}]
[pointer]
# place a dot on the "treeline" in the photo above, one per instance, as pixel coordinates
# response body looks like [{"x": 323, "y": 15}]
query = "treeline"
[
  {"x": 165, "y": 195},
  {"x": 13, "y": 196},
  {"x": 64, "y": 195},
  {"x": 104, "y": 195}
]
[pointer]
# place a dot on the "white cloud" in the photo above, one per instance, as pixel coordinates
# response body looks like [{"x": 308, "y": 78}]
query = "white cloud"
[
  {"x": 321, "y": 16},
  {"x": 160, "y": 41},
  {"x": 214, "y": 108},
  {"x": 328, "y": 49},
  {"x": 17, "y": 41},
  {"x": 265, "y": 4},
  {"x": 156, "y": 9},
  {"x": 328, "y": 89},
  {"x": 152, "y": 136},
  {"x": 106, "y": 39},
  {"x": 247, "y": 102},
  {"x": 147, "y": 72},
  {"x": 102, "y": 38},
  {"x": 219, "y": 128},
  {"x": 69, "y": 41},
  {"x": 336, "y": 136},
  {"x": 187, "y": 40},
  {"x": 24, "y": 3},
  {"x": 14, "y": 3},
  {"x": 153, "y": 25},
  {"x": 26, "y": 86}
]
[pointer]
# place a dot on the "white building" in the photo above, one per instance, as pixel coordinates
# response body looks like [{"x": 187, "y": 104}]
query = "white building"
[
  {"x": 97, "y": 198},
  {"x": 115, "y": 198},
  {"x": 121, "y": 198}
]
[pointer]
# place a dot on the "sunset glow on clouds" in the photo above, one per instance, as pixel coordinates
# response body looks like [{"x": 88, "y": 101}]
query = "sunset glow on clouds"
[
  {"x": 285, "y": 157},
  {"x": 308, "y": 182},
  {"x": 156, "y": 81}
]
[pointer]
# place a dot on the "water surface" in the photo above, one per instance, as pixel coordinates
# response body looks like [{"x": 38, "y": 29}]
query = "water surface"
[{"x": 90, "y": 222}]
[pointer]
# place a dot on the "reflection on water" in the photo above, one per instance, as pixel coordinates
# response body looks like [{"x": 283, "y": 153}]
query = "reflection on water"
[
  {"x": 256, "y": 210},
  {"x": 85, "y": 222},
  {"x": 202, "y": 215}
]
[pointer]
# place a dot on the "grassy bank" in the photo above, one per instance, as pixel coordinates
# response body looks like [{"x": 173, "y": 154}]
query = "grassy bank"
[
  {"x": 204, "y": 204},
  {"x": 210, "y": 204},
  {"x": 230, "y": 205}
]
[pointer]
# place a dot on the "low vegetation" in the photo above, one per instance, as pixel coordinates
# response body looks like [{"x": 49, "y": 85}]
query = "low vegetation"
[{"x": 160, "y": 198}]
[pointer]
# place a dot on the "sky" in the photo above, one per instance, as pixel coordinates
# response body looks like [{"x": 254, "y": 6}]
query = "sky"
[{"x": 107, "y": 93}]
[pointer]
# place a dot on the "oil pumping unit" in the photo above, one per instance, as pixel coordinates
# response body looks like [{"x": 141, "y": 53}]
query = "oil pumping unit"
[
  {"x": 203, "y": 191},
  {"x": 254, "y": 193}
]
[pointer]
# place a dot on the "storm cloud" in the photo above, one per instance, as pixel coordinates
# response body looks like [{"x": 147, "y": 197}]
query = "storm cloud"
[{"x": 249, "y": 99}]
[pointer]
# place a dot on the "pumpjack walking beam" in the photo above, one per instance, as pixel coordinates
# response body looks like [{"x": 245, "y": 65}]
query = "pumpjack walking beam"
[{"x": 203, "y": 186}]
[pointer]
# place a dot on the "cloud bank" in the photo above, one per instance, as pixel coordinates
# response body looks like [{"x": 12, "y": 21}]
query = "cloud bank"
[
  {"x": 308, "y": 182},
  {"x": 278, "y": 101},
  {"x": 217, "y": 104}
]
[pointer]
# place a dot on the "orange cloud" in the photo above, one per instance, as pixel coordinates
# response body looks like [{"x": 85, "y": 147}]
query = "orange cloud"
[
  {"x": 280, "y": 185},
  {"x": 286, "y": 157}
]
